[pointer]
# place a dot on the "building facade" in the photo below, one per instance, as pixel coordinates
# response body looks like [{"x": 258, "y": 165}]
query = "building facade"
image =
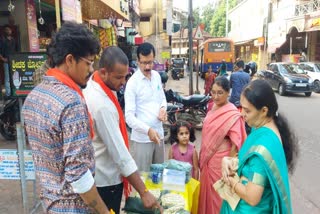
[
  {"x": 248, "y": 30},
  {"x": 153, "y": 26},
  {"x": 276, "y": 30}
]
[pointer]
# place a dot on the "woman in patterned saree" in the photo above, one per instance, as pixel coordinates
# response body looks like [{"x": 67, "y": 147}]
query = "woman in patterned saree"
[
  {"x": 265, "y": 157},
  {"x": 222, "y": 135}
]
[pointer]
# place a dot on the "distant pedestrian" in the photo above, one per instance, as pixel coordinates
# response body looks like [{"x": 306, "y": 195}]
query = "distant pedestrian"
[
  {"x": 238, "y": 80},
  {"x": 303, "y": 56},
  {"x": 223, "y": 68},
  {"x": 209, "y": 78},
  {"x": 7, "y": 47},
  {"x": 166, "y": 65},
  {"x": 60, "y": 129},
  {"x": 182, "y": 137},
  {"x": 251, "y": 68}
]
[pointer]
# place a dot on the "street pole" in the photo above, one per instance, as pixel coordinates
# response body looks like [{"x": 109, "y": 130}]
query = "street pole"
[
  {"x": 190, "y": 21},
  {"x": 157, "y": 28},
  {"x": 58, "y": 18},
  {"x": 181, "y": 31},
  {"x": 197, "y": 69},
  {"x": 227, "y": 23}
]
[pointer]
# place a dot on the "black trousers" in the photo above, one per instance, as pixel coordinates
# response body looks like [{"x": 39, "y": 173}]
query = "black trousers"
[{"x": 111, "y": 196}]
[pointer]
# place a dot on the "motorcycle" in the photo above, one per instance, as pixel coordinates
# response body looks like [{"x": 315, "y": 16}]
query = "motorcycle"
[
  {"x": 176, "y": 73},
  {"x": 194, "y": 107},
  {"x": 8, "y": 118}
]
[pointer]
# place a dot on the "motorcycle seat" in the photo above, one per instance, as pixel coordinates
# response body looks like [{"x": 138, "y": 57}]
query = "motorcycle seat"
[{"x": 194, "y": 99}]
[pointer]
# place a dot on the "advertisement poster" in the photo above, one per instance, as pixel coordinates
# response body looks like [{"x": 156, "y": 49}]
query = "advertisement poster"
[
  {"x": 22, "y": 67},
  {"x": 32, "y": 26},
  {"x": 71, "y": 10},
  {"x": 9, "y": 165}
]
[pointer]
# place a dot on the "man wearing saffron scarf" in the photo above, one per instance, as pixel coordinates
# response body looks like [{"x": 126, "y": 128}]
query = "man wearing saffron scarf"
[
  {"x": 115, "y": 168},
  {"x": 59, "y": 127}
]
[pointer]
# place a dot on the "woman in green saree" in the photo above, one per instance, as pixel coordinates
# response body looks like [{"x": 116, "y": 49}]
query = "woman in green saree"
[{"x": 265, "y": 157}]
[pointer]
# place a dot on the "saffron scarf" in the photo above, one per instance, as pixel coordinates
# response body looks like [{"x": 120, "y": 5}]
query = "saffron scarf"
[
  {"x": 65, "y": 79},
  {"x": 122, "y": 123}
]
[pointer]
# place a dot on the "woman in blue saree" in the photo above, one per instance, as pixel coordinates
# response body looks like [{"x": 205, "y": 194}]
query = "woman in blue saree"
[{"x": 265, "y": 157}]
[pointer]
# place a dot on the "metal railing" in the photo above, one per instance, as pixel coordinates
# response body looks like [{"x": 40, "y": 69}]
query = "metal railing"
[{"x": 306, "y": 8}]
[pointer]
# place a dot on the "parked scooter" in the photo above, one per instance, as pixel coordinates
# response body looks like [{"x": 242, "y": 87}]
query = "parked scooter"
[
  {"x": 175, "y": 74},
  {"x": 9, "y": 116},
  {"x": 194, "y": 107}
]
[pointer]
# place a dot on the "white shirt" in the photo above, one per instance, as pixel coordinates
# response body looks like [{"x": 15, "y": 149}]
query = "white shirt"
[
  {"x": 112, "y": 156},
  {"x": 143, "y": 99}
]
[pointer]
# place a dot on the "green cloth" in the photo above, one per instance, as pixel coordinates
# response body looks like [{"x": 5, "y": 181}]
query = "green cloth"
[
  {"x": 262, "y": 161},
  {"x": 135, "y": 205}
]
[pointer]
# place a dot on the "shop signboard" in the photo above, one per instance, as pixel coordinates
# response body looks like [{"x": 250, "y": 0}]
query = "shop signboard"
[
  {"x": 165, "y": 55},
  {"x": 71, "y": 10},
  {"x": 22, "y": 67},
  {"x": 9, "y": 165},
  {"x": 32, "y": 26}
]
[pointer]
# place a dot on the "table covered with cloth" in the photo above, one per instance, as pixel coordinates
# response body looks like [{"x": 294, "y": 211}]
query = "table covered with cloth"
[{"x": 190, "y": 195}]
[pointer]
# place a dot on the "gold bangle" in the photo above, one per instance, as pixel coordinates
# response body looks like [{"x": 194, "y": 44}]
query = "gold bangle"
[{"x": 234, "y": 186}]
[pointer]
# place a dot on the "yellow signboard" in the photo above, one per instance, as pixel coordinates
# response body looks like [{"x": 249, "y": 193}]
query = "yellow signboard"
[{"x": 165, "y": 55}]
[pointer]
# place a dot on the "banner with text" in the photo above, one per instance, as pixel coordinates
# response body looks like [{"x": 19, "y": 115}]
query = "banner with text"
[
  {"x": 22, "y": 67},
  {"x": 9, "y": 165}
]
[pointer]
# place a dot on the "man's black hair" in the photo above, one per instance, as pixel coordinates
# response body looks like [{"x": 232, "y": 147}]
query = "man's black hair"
[
  {"x": 145, "y": 49},
  {"x": 240, "y": 64},
  {"x": 111, "y": 56},
  {"x": 75, "y": 39}
]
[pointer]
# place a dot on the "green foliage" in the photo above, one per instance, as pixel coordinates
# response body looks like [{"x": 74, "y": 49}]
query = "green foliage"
[
  {"x": 206, "y": 16},
  {"x": 196, "y": 19},
  {"x": 214, "y": 19},
  {"x": 218, "y": 21}
]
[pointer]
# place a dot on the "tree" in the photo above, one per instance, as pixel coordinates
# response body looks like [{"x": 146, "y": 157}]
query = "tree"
[
  {"x": 196, "y": 19},
  {"x": 218, "y": 21},
  {"x": 206, "y": 16}
]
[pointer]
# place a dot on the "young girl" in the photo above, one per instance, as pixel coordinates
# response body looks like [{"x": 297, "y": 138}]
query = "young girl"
[{"x": 181, "y": 134}]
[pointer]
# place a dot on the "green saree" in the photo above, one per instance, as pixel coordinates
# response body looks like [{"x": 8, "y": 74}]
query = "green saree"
[{"x": 262, "y": 161}]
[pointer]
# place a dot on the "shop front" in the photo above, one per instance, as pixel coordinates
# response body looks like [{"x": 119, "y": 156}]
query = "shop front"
[
  {"x": 247, "y": 50},
  {"x": 287, "y": 44},
  {"x": 312, "y": 27}
]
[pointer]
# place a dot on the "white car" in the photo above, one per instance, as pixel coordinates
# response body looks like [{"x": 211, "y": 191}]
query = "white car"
[{"x": 313, "y": 70}]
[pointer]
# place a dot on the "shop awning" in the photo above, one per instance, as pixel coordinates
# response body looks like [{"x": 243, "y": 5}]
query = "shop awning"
[
  {"x": 312, "y": 24},
  {"x": 244, "y": 42},
  {"x": 98, "y": 9}
]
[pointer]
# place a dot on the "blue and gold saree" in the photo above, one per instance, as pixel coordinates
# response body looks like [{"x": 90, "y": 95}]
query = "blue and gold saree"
[{"x": 262, "y": 161}]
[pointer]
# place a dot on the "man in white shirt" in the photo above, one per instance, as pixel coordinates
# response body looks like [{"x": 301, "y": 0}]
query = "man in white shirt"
[
  {"x": 113, "y": 160},
  {"x": 145, "y": 109}
]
